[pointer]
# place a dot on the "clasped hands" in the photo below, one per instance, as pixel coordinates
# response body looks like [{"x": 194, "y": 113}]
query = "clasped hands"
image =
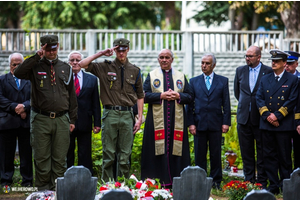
[
  {"x": 170, "y": 95},
  {"x": 272, "y": 119},
  {"x": 19, "y": 109}
]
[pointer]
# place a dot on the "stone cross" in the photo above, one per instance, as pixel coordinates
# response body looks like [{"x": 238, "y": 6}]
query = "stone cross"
[
  {"x": 259, "y": 195},
  {"x": 117, "y": 195},
  {"x": 193, "y": 184},
  {"x": 77, "y": 184},
  {"x": 291, "y": 186}
]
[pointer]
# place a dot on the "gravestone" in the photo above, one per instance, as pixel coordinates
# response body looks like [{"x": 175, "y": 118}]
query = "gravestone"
[
  {"x": 193, "y": 184},
  {"x": 259, "y": 195},
  {"x": 117, "y": 195},
  {"x": 77, "y": 184},
  {"x": 291, "y": 186}
]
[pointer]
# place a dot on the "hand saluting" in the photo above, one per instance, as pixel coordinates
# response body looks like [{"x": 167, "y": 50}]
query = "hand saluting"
[{"x": 41, "y": 52}]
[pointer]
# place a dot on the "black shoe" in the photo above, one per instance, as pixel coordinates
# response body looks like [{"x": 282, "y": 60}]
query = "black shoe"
[
  {"x": 216, "y": 186},
  {"x": 26, "y": 184}
]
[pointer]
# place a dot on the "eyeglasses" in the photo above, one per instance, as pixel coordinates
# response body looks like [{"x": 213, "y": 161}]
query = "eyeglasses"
[
  {"x": 164, "y": 57},
  {"x": 249, "y": 56},
  {"x": 15, "y": 64},
  {"x": 73, "y": 60}
]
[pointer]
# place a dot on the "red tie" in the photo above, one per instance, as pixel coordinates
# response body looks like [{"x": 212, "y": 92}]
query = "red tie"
[{"x": 76, "y": 84}]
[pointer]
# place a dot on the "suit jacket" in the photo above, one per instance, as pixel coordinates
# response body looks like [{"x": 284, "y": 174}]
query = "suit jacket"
[
  {"x": 211, "y": 108},
  {"x": 244, "y": 95},
  {"x": 88, "y": 104},
  {"x": 279, "y": 98},
  {"x": 10, "y": 97}
]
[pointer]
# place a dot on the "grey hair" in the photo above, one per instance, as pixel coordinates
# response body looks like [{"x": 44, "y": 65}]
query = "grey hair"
[
  {"x": 11, "y": 55},
  {"x": 73, "y": 52},
  {"x": 168, "y": 50},
  {"x": 214, "y": 60}
]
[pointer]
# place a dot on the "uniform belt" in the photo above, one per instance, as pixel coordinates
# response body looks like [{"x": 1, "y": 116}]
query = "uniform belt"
[
  {"x": 52, "y": 115},
  {"x": 121, "y": 108}
]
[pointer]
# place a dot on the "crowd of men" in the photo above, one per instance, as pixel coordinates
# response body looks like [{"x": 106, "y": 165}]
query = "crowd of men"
[{"x": 47, "y": 104}]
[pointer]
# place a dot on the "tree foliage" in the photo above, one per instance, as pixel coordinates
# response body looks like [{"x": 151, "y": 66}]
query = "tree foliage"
[{"x": 89, "y": 14}]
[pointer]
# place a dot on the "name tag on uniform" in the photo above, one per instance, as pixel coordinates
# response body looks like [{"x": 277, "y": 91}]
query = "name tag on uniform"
[
  {"x": 285, "y": 86},
  {"x": 42, "y": 73},
  {"x": 111, "y": 74}
]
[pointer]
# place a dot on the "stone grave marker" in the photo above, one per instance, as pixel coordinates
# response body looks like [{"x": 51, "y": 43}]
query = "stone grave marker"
[
  {"x": 193, "y": 184},
  {"x": 77, "y": 184},
  {"x": 117, "y": 195},
  {"x": 259, "y": 195},
  {"x": 291, "y": 187}
]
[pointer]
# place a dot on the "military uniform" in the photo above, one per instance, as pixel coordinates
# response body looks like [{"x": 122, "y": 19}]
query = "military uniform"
[
  {"x": 117, "y": 117},
  {"x": 54, "y": 108},
  {"x": 279, "y": 98}
]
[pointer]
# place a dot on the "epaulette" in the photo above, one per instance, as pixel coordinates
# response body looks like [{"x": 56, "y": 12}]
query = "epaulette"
[
  {"x": 67, "y": 63},
  {"x": 135, "y": 66},
  {"x": 107, "y": 61}
]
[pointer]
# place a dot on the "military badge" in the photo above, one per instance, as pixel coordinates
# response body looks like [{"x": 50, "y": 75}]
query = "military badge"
[
  {"x": 179, "y": 84},
  {"x": 156, "y": 83},
  {"x": 282, "y": 98}
]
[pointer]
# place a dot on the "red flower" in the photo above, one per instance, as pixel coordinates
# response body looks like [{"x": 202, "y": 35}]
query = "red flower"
[
  {"x": 148, "y": 194},
  {"x": 138, "y": 185},
  {"x": 102, "y": 188},
  {"x": 117, "y": 184}
]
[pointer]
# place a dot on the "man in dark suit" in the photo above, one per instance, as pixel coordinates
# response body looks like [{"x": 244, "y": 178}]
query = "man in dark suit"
[
  {"x": 209, "y": 116},
  {"x": 14, "y": 124},
  {"x": 291, "y": 67},
  {"x": 276, "y": 99},
  {"x": 89, "y": 111},
  {"x": 246, "y": 83}
]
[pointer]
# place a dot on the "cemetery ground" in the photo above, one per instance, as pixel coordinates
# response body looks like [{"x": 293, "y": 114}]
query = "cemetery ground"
[{"x": 215, "y": 194}]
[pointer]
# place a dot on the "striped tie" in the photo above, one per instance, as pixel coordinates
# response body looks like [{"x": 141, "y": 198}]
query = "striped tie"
[
  {"x": 52, "y": 75},
  {"x": 207, "y": 83},
  {"x": 76, "y": 84}
]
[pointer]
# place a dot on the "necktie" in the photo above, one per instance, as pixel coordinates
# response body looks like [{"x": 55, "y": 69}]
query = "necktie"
[
  {"x": 52, "y": 75},
  {"x": 17, "y": 82},
  {"x": 77, "y": 85},
  {"x": 276, "y": 78},
  {"x": 122, "y": 76},
  {"x": 207, "y": 83},
  {"x": 252, "y": 79}
]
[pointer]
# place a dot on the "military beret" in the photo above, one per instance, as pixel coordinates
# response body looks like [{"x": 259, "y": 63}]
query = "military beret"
[
  {"x": 122, "y": 43},
  {"x": 293, "y": 56},
  {"x": 51, "y": 41},
  {"x": 278, "y": 55}
]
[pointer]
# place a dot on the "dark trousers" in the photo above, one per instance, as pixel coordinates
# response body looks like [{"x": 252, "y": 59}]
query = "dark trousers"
[
  {"x": 250, "y": 136},
  {"x": 84, "y": 143},
  {"x": 277, "y": 156},
  {"x": 296, "y": 148},
  {"x": 7, "y": 155},
  {"x": 213, "y": 139}
]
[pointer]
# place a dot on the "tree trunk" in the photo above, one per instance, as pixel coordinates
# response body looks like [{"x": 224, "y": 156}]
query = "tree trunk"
[{"x": 290, "y": 18}]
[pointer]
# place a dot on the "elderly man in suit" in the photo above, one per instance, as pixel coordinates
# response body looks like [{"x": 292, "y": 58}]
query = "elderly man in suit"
[
  {"x": 209, "y": 116},
  {"x": 246, "y": 83},
  {"x": 291, "y": 66},
  {"x": 89, "y": 113},
  {"x": 14, "y": 124},
  {"x": 276, "y": 99}
]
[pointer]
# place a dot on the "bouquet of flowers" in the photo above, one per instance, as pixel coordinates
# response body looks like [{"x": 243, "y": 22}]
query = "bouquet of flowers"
[
  {"x": 237, "y": 190},
  {"x": 140, "y": 190}
]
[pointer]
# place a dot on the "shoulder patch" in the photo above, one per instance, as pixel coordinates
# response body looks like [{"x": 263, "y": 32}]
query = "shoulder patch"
[{"x": 107, "y": 61}]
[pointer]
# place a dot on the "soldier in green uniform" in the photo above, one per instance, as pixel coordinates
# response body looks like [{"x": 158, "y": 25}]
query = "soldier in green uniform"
[
  {"x": 120, "y": 88},
  {"x": 53, "y": 110}
]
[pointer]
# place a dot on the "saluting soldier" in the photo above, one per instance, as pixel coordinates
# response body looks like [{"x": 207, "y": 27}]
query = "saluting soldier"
[
  {"x": 276, "y": 99},
  {"x": 53, "y": 110},
  {"x": 120, "y": 89}
]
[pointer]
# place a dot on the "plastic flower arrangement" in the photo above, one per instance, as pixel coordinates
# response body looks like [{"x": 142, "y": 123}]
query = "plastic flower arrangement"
[
  {"x": 140, "y": 190},
  {"x": 237, "y": 190}
]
